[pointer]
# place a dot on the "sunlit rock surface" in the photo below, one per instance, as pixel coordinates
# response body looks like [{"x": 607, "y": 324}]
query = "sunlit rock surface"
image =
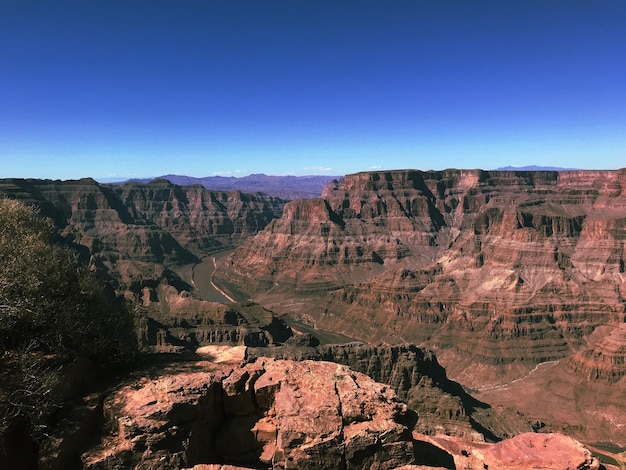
[
  {"x": 526, "y": 451},
  {"x": 270, "y": 414},
  {"x": 497, "y": 266}
]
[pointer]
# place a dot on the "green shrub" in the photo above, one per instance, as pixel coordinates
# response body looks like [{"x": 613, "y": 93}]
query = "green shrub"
[
  {"x": 51, "y": 306},
  {"x": 48, "y": 297}
]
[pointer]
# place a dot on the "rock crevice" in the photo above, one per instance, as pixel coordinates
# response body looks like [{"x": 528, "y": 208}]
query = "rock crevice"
[{"x": 270, "y": 414}]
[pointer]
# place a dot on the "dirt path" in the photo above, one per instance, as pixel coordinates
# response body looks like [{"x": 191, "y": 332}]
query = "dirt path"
[{"x": 541, "y": 365}]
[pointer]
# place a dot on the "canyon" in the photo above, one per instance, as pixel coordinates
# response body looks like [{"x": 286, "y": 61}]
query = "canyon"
[
  {"x": 490, "y": 303},
  {"x": 284, "y": 187},
  {"x": 495, "y": 271},
  {"x": 130, "y": 232},
  {"x": 223, "y": 411}
]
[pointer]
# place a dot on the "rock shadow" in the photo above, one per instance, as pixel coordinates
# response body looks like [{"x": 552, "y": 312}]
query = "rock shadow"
[{"x": 431, "y": 455}]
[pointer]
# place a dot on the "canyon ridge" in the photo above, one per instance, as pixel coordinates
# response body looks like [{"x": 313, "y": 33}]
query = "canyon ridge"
[
  {"x": 510, "y": 276},
  {"x": 489, "y": 302}
]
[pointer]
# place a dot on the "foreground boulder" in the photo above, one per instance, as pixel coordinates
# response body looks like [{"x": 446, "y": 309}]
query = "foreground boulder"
[
  {"x": 525, "y": 451},
  {"x": 417, "y": 378},
  {"x": 282, "y": 414},
  {"x": 278, "y": 414}
]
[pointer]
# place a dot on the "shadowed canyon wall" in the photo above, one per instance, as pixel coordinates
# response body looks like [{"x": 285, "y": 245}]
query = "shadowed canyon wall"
[{"x": 126, "y": 230}]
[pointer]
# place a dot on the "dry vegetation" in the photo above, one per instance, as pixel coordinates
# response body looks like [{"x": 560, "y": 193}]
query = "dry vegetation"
[{"x": 52, "y": 311}]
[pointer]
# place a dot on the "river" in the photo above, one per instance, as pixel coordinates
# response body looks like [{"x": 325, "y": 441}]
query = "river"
[{"x": 202, "y": 278}]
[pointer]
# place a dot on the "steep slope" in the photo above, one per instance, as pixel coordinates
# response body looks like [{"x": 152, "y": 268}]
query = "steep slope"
[
  {"x": 604, "y": 360},
  {"x": 499, "y": 272},
  {"x": 181, "y": 322},
  {"x": 496, "y": 266},
  {"x": 126, "y": 230},
  {"x": 582, "y": 395}
]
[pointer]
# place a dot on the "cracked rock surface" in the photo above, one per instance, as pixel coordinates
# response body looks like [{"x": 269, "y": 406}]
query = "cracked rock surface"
[{"x": 269, "y": 414}]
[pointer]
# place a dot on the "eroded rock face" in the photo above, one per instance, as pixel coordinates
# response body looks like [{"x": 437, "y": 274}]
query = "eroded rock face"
[
  {"x": 605, "y": 358},
  {"x": 497, "y": 266},
  {"x": 127, "y": 229},
  {"x": 274, "y": 414},
  {"x": 418, "y": 379},
  {"x": 188, "y": 323}
]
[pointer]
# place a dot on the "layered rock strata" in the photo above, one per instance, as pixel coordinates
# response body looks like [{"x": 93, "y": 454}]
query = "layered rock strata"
[
  {"x": 557, "y": 398},
  {"x": 129, "y": 228},
  {"x": 182, "y": 322},
  {"x": 498, "y": 267},
  {"x": 605, "y": 358}
]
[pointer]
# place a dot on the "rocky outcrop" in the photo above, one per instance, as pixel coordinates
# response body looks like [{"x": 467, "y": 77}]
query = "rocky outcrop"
[
  {"x": 285, "y": 414},
  {"x": 183, "y": 322},
  {"x": 401, "y": 366},
  {"x": 418, "y": 379},
  {"x": 526, "y": 451},
  {"x": 605, "y": 358},
  {"x": 270, "y": 414},
  {"x": 498, "y": 267},
  {"x": 127, "y": 229}
]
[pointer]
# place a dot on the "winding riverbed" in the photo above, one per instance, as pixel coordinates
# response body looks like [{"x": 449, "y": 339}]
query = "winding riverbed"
[{"x": 202, "y": 278}]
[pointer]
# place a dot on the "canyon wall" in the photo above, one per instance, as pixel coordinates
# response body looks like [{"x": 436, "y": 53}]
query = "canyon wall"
[
  {"x": 183, "y": 323},
  {"x": 497, "y": 267},
  {"x": 127, "y": 230}
]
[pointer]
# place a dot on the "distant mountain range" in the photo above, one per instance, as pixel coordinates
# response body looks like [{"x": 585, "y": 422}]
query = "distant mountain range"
[{"x": 285, "y": 187}]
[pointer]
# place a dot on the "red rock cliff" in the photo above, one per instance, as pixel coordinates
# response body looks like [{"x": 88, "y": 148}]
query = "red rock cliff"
[{"x": 499, "y": 266}]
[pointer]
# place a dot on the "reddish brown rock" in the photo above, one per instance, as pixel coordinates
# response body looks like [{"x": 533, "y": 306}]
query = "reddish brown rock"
[
  {"x": 531, "y": 450},
  {"x": 497, "y": 267},
  {"x": 605, "y": 358},
  {"x": 443, "y": 406},
  {"x": 526, "y": 451},
  {"x": 557, "y": 399},
  {"x": 280, "y": 414},
  {"x": 496, "y": 271}
]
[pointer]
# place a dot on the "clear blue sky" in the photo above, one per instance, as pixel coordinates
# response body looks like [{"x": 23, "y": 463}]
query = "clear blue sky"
[{"x": 128, "y": 88}]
